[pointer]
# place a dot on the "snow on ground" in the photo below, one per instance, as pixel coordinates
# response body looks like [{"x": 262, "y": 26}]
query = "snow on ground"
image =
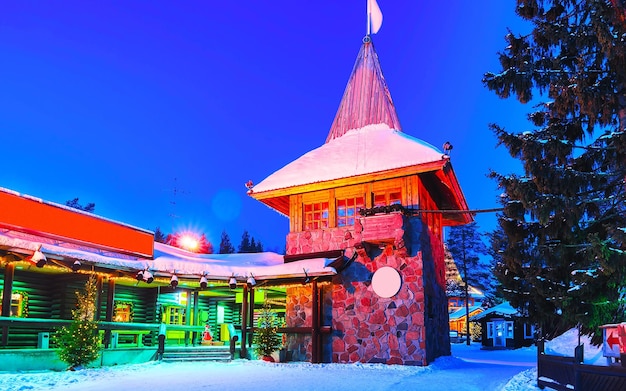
[
  {"x": 564, "y": 345},
  {"x": 469, "y": 366},
  {"x": 243, "y": 374}
]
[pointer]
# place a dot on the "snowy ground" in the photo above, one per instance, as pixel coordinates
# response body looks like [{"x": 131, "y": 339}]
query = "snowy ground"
[{"x": 469, "y": 367}]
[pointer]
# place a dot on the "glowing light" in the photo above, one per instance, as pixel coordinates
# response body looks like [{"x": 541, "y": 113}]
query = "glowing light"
[{"x": 189, "y": 242}]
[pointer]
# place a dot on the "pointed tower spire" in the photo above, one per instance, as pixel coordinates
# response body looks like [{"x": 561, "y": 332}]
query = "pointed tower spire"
[{"x": 366, "y": 99}]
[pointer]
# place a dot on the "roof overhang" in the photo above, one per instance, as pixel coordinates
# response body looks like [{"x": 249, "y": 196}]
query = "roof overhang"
[
  {"x": 278, "y": 199},
  {"x": 168, "y": 261}
]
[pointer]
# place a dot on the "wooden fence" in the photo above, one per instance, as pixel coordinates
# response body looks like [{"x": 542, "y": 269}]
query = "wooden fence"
[{"x": 568, "y": 373}]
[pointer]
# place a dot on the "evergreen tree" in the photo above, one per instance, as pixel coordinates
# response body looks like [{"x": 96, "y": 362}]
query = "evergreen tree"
[
  {"x": 159, "y": 236},
  {"x": 78, "y": 342},
  {"x": 90, "y": 207},
  {"x": 245, "y": 245},
  {"x": 564, "y": 217},
  {"x": 266, "y": 339},
  {"x": 226, "y": 246},
  {"x": 466, "y": 247},
  {"x": 259, "y": 247},
  {"x": 497, "y": 244}
]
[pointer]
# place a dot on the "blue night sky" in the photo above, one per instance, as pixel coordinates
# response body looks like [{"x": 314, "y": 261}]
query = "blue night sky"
[{"x": 160, "y": 111}]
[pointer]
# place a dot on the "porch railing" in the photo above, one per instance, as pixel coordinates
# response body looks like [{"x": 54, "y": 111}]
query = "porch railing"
[{"x": 137, "y": 330}]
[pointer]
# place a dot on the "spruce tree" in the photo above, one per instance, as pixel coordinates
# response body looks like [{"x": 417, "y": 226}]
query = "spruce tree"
[
  {"x": 159, "y": 236},
  {"x": 564, "y": 216},
  {"x": 78, "y": 342},
  {"x": 266, "y": 339},
  {"x": 73, "y": 203},
  {"x": 245, "y": 245},
  {"x": 226, "y": 247}
]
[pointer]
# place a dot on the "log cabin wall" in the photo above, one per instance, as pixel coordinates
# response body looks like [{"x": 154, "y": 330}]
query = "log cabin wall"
[
  {"x": 38, "y": 292},
  {"x": 143, "y": 302},
  {"x": 63, "y": 293}
]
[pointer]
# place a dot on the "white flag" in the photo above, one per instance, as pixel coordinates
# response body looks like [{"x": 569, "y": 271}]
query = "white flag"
[{"x": 375, "y": 16}]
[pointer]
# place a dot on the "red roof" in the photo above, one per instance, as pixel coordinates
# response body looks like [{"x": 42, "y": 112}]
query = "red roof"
[{"x": 366, "y": 99}]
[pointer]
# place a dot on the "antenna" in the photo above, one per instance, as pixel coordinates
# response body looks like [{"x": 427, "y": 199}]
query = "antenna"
[
  {"x": 368, "y": 30},
  {"x": 175, "y": 191}
]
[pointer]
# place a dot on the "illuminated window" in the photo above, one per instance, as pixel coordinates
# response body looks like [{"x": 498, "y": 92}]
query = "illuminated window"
[
  {"x": 509, "y": 329},
  {"x": 316, "y": 215},
  {"x": 18, "y": 305},
  {"x": 389, "y": 197},
  {"x": 220, "y": 314},
  {"x": 174, "y": 315},
  {"x": 347, "y": 210},
  {"x": 123, "y": 312}
]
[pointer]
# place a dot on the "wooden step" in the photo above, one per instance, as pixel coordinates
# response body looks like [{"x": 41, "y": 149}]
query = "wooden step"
[{"x": 178, "y": 354}]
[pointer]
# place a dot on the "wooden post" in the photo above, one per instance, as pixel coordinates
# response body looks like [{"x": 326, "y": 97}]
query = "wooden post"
[
  {"x": 99, "y": 279},
  {"x": 315, "y": 332},
  {"x": 188, "y": 316},
  {"x": 9, "y": 274},
  {"x": 108, "y": 316},
  {"x": 251, "y": 315},
  {"x": 196, "y": 317},
  {"x": 243, "y": 353}
]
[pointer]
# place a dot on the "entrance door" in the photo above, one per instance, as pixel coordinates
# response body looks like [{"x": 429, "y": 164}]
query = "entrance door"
[{"x": 499, "y": 333}]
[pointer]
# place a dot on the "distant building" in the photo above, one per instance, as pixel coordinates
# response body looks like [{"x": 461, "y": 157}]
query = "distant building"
[
  {"x": 456, "y": 301},
  {"x": 503, "y": 327}
]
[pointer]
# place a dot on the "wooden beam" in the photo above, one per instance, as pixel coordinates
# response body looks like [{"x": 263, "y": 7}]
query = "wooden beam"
[
  {"x": 342, "y": 182},
  {"x": 110, "y": 308},
  {"x": 9, "y": 273},
  {"x": 315, "y": 332},
  {"x": 320, "y": 254},
  {"x": 196, "y": 317},
  {"x": 251, "y": 314},
  {"x": 99, "y": 280},
  {"x": 243, "y": 353},
  {"x": 188, "y": 316}
]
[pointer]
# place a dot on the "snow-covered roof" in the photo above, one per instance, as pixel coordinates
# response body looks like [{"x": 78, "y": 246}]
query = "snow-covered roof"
[
  {"x": 171, "y": 260},
  {"x": 265, "y": 265},
  {"x": 460, "y": 313},
  {"x": 503, "y": 309},
  {"x": 370, "y": 149}
]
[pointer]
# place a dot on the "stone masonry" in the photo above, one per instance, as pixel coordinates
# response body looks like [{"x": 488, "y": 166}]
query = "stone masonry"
[{"x": 410, "y": 328}]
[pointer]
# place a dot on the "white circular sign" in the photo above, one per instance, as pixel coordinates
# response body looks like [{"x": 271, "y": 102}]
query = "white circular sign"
[{"x": 386, "y": 281}]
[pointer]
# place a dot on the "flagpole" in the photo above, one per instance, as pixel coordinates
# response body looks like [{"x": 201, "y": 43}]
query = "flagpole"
[{"x": 369, "y": 16}]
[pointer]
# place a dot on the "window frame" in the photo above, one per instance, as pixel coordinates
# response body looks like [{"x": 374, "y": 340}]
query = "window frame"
[{"x": 351, "y": 210}]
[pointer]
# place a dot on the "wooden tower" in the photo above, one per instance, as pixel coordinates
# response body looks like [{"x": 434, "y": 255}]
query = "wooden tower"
[{"x": 380, "y": 196}]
